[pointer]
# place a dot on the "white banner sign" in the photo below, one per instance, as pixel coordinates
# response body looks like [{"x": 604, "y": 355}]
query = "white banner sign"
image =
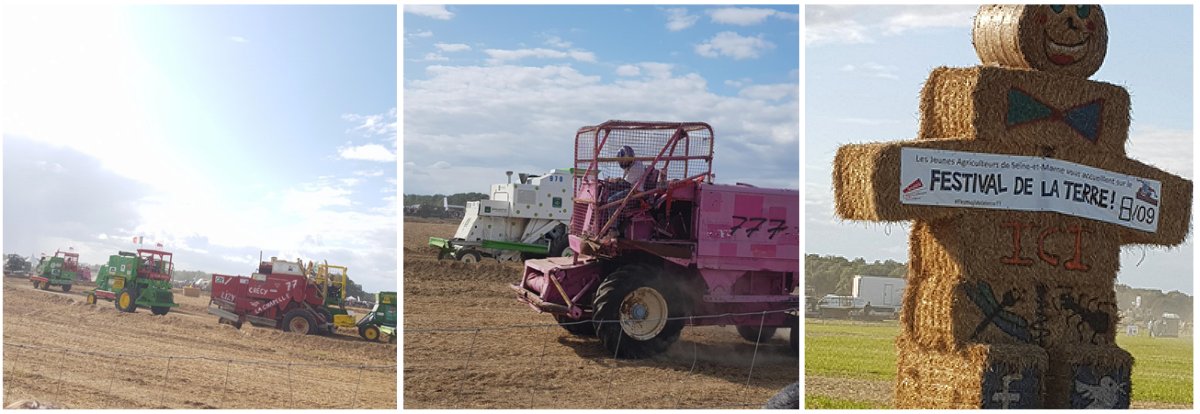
[{"x": 1014, "y": 182}]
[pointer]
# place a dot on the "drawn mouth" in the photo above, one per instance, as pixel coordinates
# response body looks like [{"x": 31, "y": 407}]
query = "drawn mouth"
[{"x": 1065, "y": 54}]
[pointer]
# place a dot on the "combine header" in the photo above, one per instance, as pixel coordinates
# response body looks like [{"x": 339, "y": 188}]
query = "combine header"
[
  {"x": 58, "y": 270},
  {"x": 523, "y": 219},
  {"x": 660, "y": 245},
  {"x": 137, "y": 279}
]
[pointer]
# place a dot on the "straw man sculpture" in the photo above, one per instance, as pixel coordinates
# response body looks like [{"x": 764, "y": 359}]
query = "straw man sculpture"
[{"x": 1021, "y": 198}]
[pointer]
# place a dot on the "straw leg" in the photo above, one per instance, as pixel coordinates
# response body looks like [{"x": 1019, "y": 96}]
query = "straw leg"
[
  {"x": 1089, "y": 376},
  {"x": 974, "y": 376}
]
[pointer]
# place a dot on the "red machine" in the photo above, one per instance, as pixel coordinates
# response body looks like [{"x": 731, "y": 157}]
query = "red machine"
[{"x": 279, "y": 295}]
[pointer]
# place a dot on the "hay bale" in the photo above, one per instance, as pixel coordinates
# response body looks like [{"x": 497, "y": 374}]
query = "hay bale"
[
  {"x": 1069, "y": 40},
  {"x": 1078, "y": 377},
  {"x": 1026, "y": 108},
  {"x": 971, "y": 376}
]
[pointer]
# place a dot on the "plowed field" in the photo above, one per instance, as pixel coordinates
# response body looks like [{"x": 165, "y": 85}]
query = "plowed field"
[
  {"x": 60, "y": 350},
  {"x": 462, "y": 349}
]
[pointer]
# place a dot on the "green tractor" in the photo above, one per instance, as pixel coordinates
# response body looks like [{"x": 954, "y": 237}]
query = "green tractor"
[
  {"x": 381, "y": 320},
  {"x": 331, "y": 280},
  {"x": 58, "y": 270},
  {"x": 137, "y": 279}
]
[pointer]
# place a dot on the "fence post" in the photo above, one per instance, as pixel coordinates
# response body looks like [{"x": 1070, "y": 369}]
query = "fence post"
[
  {"x": 166, "y": 380},
  {"x": 354, "y": 403},
  {"x": 291, "y": 395},
  {"x": 757, "y": 339},
  {"x": 225, "y": 385},
  {"x": 616, "y": 351}
]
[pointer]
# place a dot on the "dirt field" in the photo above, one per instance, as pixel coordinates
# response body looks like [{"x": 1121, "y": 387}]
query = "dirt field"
[
  {"x": 544, "y": 366},
  {"x": 60, "y": 350}
]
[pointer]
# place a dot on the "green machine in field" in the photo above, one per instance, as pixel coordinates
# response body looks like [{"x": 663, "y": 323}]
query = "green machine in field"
[
  {"x": 381, "y": 320},
  {"x": 58, "y": 270},
  {"x": 137, "y": 279}
]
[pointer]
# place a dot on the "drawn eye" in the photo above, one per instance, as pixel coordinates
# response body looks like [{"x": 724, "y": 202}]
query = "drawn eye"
[
  {"x": 1083, "y": 11},
  {"x": 1057, "y": 8}
]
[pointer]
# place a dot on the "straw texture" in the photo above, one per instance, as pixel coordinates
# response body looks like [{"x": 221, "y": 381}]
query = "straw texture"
[{"x": 1071, "y": 40}]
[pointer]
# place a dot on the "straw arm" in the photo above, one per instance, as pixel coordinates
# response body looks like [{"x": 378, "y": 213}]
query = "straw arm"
[
  {"x": 866, "y": 183},
  {"x": 1175, "y": 209}
]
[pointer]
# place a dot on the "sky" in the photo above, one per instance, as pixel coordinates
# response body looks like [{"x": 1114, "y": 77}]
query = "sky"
[
  {"x": 218, "y": 131},
  {"x": 865, "y": 67},
  {"x": 489, "y": 89}
]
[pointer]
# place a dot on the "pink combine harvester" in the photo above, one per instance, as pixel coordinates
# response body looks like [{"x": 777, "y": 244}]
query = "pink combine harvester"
[{"x": 658, "y": 245}]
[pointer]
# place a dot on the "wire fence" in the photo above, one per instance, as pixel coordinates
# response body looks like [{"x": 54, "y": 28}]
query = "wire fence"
[
  {"x": 99, "y": 379},
  {"x": 463, "y": 361}
]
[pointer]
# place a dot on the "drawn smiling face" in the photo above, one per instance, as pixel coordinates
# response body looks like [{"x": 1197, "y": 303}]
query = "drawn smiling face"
[
  {"x": 1072, "y": 39},
  {"x": 1068, "y": 40}
]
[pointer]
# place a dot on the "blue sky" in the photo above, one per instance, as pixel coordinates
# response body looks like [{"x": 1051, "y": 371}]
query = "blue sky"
[
  {"x": 217, "y": 130},
  {"x": 494, "y": 88},
  {"x": 864, "y": 70}
]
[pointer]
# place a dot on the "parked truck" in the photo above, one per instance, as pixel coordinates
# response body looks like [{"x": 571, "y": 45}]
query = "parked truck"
[
  {"x": 667, "y": 247},
  {"x": 132, "y": 280},
  {"x": 59, "y": 270},
  {"x": 528, "y": 218}
]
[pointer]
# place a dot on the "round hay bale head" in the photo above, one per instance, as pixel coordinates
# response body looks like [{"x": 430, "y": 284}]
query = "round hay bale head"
[{"x": 1070, "y": 40}]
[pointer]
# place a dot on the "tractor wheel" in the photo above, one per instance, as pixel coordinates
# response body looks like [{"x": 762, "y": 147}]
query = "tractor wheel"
[
  {"x": 752, "y": 334},
  {"x": 126, "y": 301},
  {"x": 468, "y": 256},
  {"x": 66, "y": 288},
  {"x": 370, "y": 333},
  {"x": 577, "y": 329},
  {"x": 91, "y": 298},
  {"x": 561, "y": 247},
  {"x": 299, "y": 321},
  {"x": 160, "y": 310},
  {"x": 36, "y": 285},
  {"x": 641, "y": 300}
]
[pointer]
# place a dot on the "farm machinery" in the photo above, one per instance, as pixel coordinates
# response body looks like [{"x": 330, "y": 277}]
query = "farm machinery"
[
  {"x": 17, "y": 266},
  {"x": 132, "y": 280},
  {"x": 62, "y": 270},
  {"x": 285, "y": 295},
  {"x": 524, "y": 219},
  {"x": 381, "y": 320},
  {"x": 664, "y": 246}
]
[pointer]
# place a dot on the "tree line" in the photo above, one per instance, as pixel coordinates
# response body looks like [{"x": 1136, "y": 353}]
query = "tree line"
[{"x": 825, "y": 275}]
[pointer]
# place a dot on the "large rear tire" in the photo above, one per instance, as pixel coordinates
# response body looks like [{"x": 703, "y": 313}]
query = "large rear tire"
[
  {"x": 751, "y": 333},
  {"x": 468, "y": 256},
  {"x": 160, "y": 310},
  {"x": 126, "y": 300},
  {"x": 641, "y": 299},
  {"x": 66, "y": 288},
  {"x": 299, "y": 321}
]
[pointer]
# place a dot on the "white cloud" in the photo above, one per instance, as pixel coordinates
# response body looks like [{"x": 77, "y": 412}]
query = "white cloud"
[
  {"x": 452, "y": 47},
  {"x": 499, "y": 56},
  {"x": 369, "y": 173},
  {"x": 432, "y": 11},
  {"x": 859, "y": 24},
  {"x": 770, "y": 92},
  {"x": 434, "y": 57},
  {"x": 420, "y": 34},
  {"x": 368, "y": 152},
  {"x": 747, "y": 16},
  {"x": 238, "y": 39},
  {"x": 679, "y": 19},
  {"x": 628, "y": 70},
  {"x": 383, "y": 124},
  {"x": 873, "y": 69},
  {"x": 734, "y": 45},
  {"x": 484, "y": 120},
  {"x": 1167, "y": 149},
  {"x": 558, "y": 42}
]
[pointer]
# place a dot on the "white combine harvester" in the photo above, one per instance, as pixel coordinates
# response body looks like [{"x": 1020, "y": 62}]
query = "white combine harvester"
[{"x": 520, "y": 220}]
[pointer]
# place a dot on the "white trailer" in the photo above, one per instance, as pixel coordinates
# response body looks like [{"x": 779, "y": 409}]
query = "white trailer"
[
  {"x": 883, "y": 294},
  {"x": 528, "y": 217}
]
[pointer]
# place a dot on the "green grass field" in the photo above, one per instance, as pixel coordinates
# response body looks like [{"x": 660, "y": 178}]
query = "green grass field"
[{"x": 1162, "y": 373}]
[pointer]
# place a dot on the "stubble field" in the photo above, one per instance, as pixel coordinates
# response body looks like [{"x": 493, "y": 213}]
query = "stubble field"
[{"x": 468, "y": 343}]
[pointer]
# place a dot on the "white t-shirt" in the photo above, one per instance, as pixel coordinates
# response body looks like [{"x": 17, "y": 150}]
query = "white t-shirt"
[{"x": 634, "y": 172}]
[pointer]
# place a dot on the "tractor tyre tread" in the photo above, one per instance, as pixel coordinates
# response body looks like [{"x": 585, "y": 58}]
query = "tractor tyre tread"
[
  {"x": 299, "y": 313},
  {"x": 611, "y": 294}
]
